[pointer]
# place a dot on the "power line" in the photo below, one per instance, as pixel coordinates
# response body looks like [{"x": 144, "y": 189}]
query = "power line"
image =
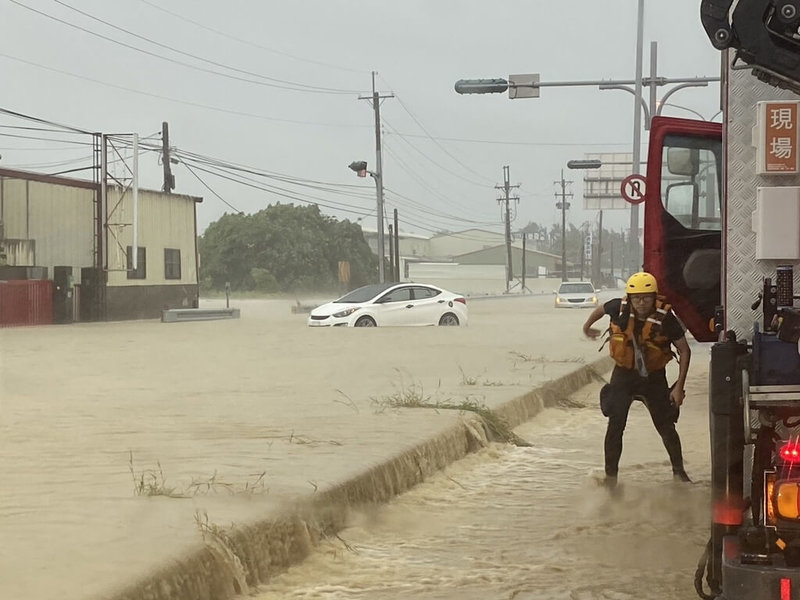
[
  {"x": 42, "y": 121},
  {"x": 278, "y": 191},
  {"x": 310, "y": 183},
  {"x": 210, "y": 190},
  {"x": 413, "y": 175},
  {"x": 170, "y": 99},
  {"x": 442, "y": 148},
  {"x": 297, "y": 87},
  {"x": 249, "y": 43},
  {"x": 433, "y": 161},
  {"x": 44, "y": 139},
  {"x": 513, "y": 142}
]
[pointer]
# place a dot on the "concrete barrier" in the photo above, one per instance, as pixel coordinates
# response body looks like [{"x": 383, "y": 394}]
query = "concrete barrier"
[{"x": 173, "y": 315}]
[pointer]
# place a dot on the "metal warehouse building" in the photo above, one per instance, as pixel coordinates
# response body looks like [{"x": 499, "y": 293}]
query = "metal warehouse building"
[{"x": 93, "y": 251}]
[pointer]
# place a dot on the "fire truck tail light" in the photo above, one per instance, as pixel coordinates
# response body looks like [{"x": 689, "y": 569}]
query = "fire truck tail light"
[
  {"x": 786, "y": 588},
  {"x": 790, "y": 452},
  {"x": 769, "y": 505},
  {"x": 787, "y": 497}
]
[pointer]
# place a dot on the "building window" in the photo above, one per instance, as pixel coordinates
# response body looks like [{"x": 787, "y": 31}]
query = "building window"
[
  {"x": 141, "y": 266},
  {"x": 172, "y": 263}
]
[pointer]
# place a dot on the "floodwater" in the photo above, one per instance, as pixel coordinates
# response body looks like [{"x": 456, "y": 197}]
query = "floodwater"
[
  {"x": 240, "y": 417},
  {"x": 532, "y": 522}
]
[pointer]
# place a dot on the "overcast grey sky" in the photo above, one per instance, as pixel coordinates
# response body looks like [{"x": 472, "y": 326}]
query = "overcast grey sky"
[{"x": 218, "y": 73}]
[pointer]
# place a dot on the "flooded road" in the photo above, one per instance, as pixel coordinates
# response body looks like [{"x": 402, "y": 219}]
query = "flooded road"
[
  {"x": 220, "y": 405},
  {"x": 532, "y": 522}
]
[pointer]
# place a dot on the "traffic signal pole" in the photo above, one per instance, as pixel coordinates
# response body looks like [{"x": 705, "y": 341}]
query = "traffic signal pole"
[{"x": 515, "y": 85}]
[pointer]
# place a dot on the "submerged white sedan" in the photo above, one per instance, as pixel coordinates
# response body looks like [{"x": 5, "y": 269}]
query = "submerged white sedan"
[{"x": 390, "y": 304}]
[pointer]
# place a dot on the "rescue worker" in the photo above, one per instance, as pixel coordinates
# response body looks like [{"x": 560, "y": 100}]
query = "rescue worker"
[{"x": 643, "y": 328}]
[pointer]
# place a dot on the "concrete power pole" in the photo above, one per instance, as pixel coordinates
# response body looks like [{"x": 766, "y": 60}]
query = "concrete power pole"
[
  {"x": 563, "y": 205},
  {"x": 169, "y": 178},
  {"x": 506, "y": 187},
  {"x": 375, "y": 99}
]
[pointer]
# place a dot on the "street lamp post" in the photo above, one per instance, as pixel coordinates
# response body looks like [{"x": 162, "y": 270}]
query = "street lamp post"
[{"x": 360, "y": 167}]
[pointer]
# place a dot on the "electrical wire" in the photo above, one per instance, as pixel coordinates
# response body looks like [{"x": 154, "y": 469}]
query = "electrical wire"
[
  {"x": 44, "y": 139},
  {"x": 442, "y": 148},
  {"x": 433, "y": 192},
  {"x": 44, "y": 129},
  {"x": 517, "y": 143},
  {"x": 276, "y": 190},
  {"x": 176, "y": 100},
  {"x": 428, "y": 135},
  {"x": 249, "y": 43},
  {"x": 310, "y": 183},
  {"x": 239, "y": 174},
  {"x": 220, "y": 165},
  {"x": 210, "y": 190},
  {"x": 42, "y": 121},
  {"x": 431, "y": 160},
  {"x": 286, "y": 85}
]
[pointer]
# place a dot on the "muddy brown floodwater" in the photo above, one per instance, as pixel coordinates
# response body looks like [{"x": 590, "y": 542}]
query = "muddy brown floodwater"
[
  {"x": 533, "y": 523},
  {"x": 265, "y": 401}
]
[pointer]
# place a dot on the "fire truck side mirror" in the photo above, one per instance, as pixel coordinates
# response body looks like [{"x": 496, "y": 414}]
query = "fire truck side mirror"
[{"x": 682, "y": 161}]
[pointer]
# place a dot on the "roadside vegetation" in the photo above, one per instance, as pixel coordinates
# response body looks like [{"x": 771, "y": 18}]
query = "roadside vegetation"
[{"x": 283, "y": 249}]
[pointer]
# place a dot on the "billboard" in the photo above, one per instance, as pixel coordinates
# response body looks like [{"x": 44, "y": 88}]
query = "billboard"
[{"x": 601, "y": 186}]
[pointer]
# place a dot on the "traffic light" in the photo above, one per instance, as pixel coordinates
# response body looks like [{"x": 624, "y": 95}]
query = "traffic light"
[
  {"x": 360, "y": 167},
  {"x": 481, "y": 86},
  {"x": 584, "y": 164}
]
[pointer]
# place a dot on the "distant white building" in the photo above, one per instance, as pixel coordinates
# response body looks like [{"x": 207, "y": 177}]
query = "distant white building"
[{"x": 472, "y": 261}]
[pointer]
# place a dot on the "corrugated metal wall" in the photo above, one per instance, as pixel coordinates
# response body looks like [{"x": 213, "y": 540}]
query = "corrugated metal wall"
[
  {"x": 164, "y": 222},
  {"x": 59, "y": 217},
  {"x": 27, "y": 302}
]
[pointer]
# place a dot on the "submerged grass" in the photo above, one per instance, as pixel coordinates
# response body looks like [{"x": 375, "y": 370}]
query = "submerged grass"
[
  {"x": 413, "y": 396},
  {"x": 152, "y": 482}
]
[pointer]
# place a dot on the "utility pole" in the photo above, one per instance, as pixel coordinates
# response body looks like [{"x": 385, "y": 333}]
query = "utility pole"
[
  {"x": 563, "y": 205},
  {"x": 597, "y": 263},
  {"x": 611, "y": 252},
  {"x": 391, "y": 254},
  {"x": 375, "y": 99},
  {"x": 169, "y": 178},
  {"x": 396, "y": 247},
  {"x": 506, "y": 187}
]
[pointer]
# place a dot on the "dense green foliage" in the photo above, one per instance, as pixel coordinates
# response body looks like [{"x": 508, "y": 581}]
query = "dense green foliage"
[{"x": 284, "y": 248}]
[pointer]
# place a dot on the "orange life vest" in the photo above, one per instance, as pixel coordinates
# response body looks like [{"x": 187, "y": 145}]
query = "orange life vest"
[{"x": 654, "y": 345}]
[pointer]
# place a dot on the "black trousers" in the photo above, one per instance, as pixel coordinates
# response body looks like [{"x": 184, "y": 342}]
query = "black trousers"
[{"x": 627, "y": 385}]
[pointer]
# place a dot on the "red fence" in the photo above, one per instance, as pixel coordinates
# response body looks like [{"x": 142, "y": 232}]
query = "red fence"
[{"x": 26, "y": 302}]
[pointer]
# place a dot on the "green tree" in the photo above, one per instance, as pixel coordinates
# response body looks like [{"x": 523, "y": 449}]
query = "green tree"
[{"x": 284, "y": 248}]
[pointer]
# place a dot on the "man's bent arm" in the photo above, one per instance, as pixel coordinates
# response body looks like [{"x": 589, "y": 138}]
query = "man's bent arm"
[
  {"x": 595, "y": 316},
  {"x": 684, "y": 357}
]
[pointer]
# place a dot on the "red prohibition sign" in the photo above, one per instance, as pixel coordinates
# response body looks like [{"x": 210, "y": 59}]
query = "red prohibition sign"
[{"x": 633, "y": 188}]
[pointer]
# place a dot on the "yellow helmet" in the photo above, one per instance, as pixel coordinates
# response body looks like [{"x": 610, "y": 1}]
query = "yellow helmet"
[{"x": 642, "y": 283}]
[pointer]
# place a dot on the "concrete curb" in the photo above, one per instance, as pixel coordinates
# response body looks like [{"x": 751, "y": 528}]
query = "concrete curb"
[{"x": 230, "y": 562}]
